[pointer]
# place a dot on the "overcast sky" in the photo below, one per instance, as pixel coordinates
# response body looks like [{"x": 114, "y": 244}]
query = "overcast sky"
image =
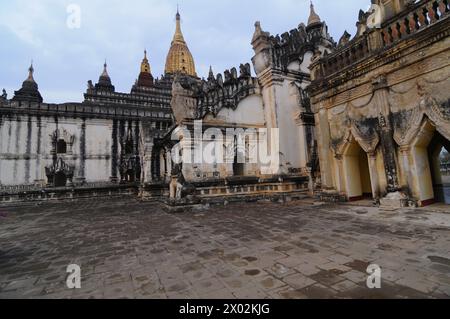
[{"x": 218, "y": 33}]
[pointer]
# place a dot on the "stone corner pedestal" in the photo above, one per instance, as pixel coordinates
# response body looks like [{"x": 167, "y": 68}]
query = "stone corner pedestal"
[{"x": 395, "y": 200}]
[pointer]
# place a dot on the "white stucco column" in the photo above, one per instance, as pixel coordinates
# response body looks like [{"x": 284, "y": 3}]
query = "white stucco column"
[
  {"x": 147, "y": 165},
  {"x": 303, "y": 144},
  {"x": 169, "y": 165}
]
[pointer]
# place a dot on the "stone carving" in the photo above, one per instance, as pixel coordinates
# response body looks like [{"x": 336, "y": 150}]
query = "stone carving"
[
  {"x": 245, "y": 70},
  {"x": 234, "y": 74},
  {"x": 59, "y": 173},
  {"x": 130, "y": 162},
  {"x": 364, "y": 134},
  {"x": 305, "y": 102},
  {"x": 407, "y": 124},
  {"x": 344, "y": 39},
  {"x": 195, "y": 99},
  {"x": 180, "y": 189},
  {"x": 227, "y": 75},
  {"x": 130, "y": 169},
  {"x": 291, "y": 46},
  {"x": 219, "y": 80},
  {"x": 62, "y": 134},
  {"x": 4, "y": 94},
  {"x": 361, "y": 24}
]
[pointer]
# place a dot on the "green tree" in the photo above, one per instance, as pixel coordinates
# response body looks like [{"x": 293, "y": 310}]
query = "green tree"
[{"x": 445, "y": 156}]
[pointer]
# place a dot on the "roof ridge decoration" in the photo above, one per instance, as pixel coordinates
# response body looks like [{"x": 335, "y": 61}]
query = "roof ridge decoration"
[{"x": 220, "y": 91}]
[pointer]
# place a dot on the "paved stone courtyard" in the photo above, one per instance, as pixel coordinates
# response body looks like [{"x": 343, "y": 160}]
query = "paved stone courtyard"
[{"x": 128, "y": 249}]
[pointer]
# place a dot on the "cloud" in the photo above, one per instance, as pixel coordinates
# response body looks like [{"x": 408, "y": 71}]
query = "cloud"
[{"x": 218, "y": 33}]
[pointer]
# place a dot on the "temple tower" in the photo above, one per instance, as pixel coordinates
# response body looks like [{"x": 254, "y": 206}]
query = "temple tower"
[
  {"x": 30, "y": 90},
  {"x": 179, "y": 58}
]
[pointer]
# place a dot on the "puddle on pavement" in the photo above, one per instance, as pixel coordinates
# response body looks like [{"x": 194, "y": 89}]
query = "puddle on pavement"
[
  {"x": 439, "y": 260},
  {"x": 252, "y": 272},
  {"x": 358, "y": 265}
]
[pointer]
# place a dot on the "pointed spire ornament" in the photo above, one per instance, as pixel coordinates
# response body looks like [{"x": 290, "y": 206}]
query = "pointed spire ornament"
[
  {"x": 179, "y": 59},
  {"x": 30, "y": 89},
  {"x": 211, "y": 76},
  {"x": 30, "y": 73},
  {"x": 145, "y": 65},
  {"x": 313, "y": 16},
  {"x": 105, "y": 70}
]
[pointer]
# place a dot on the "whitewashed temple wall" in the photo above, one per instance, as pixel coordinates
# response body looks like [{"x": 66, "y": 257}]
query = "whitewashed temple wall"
[
  {"x": 26, "y": 148},
  {"x": 249, "y": 114}
]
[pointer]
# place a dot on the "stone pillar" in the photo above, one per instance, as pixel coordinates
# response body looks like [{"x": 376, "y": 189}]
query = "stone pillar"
[
  {"x": 388, "y": 145},
  {"x": 305, "y": 137},
  {"x": 394, "y": 198},
  {"x": 148, "y": 177},
  {"x": 323, "y": 141},
  {"x": 374, "y": 175},
  {"x": 270, "y": 81},
  {"x": 136, "y": 138},
  {"x": 169, "y": 165},
  {"x": 405, "y": 153},
  {"x": 340, "y": 178},
  {"x": 162, "y": 164},
  {"x": 40, "y": 169},
  {"x": 28, "y": 149},
  {"x": 114, "y": 152},
  {"x": 121, "y": 148},
  {"x": 81, "y": 178}
]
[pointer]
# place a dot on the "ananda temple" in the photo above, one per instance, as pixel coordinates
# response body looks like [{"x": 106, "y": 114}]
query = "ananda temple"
[{"x": 366, "y": 117}]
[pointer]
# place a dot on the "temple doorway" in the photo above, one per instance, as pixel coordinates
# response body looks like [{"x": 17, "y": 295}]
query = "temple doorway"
[
  {"x": 430, "y": 166},
  {"x": 239, "y": 157},
  {"x": 439, "y": 159},
  {"x": 60, "y": 179},
  {"x": 357, "y": 173},
  {"x": 238, "y": 168}
]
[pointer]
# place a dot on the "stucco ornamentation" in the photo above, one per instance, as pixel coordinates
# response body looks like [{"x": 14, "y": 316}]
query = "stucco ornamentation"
[
  {"x": 437, "y": 113},
  {"x": 365, "y": 135}
]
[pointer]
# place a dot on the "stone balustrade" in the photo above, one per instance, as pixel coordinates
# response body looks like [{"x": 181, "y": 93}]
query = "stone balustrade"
[
  {"x": 418, "y": 17},
  {"x": 356, "y": 51},
  {"x": 421, "y": 15}
]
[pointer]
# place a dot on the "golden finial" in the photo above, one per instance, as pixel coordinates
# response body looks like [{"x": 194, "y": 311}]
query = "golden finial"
[
  {"x": 179, "y": 58},
  {"x": 178, "y": 37},
  {"x": 313, "y": 16},
  {"x": 145, "y": 65}
]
